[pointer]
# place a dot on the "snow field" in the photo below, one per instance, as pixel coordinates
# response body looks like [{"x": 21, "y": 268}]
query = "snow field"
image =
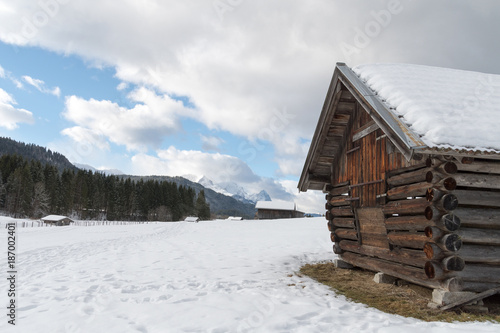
[{"x": 215, "y": 277}]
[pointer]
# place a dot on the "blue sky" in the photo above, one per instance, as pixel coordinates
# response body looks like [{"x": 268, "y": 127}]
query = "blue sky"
[{"x": 230, "y": 90}]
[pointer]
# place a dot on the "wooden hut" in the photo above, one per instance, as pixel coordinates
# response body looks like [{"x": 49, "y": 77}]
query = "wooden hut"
[
  {"x": 57, "y": 220},
  {"x": 409, "y": 159},
  {"x": 269, "y": 210}
]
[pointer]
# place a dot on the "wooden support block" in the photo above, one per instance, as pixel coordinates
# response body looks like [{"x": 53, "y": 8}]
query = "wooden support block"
[
  {"x": 443, "y": 297},
  {"x": 339, "y": 263},
  {"x": 384, "y": 278}
]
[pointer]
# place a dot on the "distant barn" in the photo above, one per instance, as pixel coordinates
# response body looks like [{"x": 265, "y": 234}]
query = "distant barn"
[
  {"x": 269, "y": 210},
  {"x": 57, "y": 220},
  {"x": 409, "y": 159},
  {"x": 192, "y": 219}
]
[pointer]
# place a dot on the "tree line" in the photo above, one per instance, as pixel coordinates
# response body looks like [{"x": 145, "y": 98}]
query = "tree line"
[{"x": 29, "y": 188}]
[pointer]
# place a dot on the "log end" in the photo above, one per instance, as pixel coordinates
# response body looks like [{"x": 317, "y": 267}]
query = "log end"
[
  {"x": 450, "y": 202},
  {"x": 454, "y": 263},
  {"x": 451, "y": 222},
  {"x": 429, "y": 176},
  {"x": 430, "y": 270},
  {"x": 452, "y": 242},
  {"x": 429, "y": 250},
  {"x": 450, "y": 184},
  {"x": 450, "y": 167}
]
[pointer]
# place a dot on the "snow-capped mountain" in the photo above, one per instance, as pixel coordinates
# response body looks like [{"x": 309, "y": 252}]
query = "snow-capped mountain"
[
  {"x": 105, "y": 171},
  {"x": 234, "y": 190}
]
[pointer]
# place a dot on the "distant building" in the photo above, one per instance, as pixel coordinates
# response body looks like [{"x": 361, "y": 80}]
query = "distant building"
[
  {"x": 192, "y": 219},
  {"x": 269, "y": 210},
  {"x": 57, "y": 220},
  {"x": 235, "y": 218}
]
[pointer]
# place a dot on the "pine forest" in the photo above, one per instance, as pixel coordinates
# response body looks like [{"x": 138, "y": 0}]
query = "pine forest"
[{"x": 31, "y": 189}]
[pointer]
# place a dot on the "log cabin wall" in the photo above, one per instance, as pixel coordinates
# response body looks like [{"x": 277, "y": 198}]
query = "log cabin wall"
[
  {"x": 433, "y": 221},
  {"x": 437, "y": 224}
]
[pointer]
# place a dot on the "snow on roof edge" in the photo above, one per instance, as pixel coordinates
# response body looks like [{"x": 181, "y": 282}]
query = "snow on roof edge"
[{"x": 448, "y": 108}]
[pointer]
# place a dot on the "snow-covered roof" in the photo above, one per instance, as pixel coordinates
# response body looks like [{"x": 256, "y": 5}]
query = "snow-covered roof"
[
  {"x": 235, "y": 218},
  {"x": 275, "y": 205},
  {"x": 446, "y": 108},
  {"x": 54, "y": 218},
  {"x": 192, "y": 219}
]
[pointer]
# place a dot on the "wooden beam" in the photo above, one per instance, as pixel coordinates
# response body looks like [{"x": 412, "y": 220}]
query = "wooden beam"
[{"x": 365, "y": 130}]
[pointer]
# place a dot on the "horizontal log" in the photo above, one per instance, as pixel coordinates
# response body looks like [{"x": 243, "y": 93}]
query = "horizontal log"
[
  {"x": 346, "y": 234},
  {"x": 406, "y": 207},
  {"x": 405, "y": 191},
  {"x": 440, "y": 270},
  {"x": 414, "y": 240},
  {"x": 406, "y": 170},
  {"x": 478, "y": 198},
  {"x": 341, "y": 222},
  {"x": 416, "y": 176},
  {"x": 339, "y": 201},
  {"x": 480, "y": 254},
  {"x": 434, "y": 233},
  {"x": 342, "y": 212},
  {"x": 447, "y": 202},
  {"x": 449, "y": 168},
  {"x": 408, "y": 222},
  {"x": 407, "y": 273},
  {"x": 447, "y": 243},
  {"x": 479, "y": 236},
  {"x": 447, "y": 222},
  {"x": 404, "y": 256},
  {"x": 471, "y": 272},
  {"x": 434, "y": 194},
  {"x": 339, "y": 190},
  {"x": 478, "y": 180},
  {"x": 469, "y": 253},
  {"x": 479, "y": 217},
  {"x": 483, "y": 254},
  {"x": 480, "y": 273},
  {"x": 434, "y": 252},
  {"x": 480, "y": 166},
  {"x": 478, "y": 287}
]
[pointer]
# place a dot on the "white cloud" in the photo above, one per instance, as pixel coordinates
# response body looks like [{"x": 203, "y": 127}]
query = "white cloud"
[
  {"x": 122, "y": 86},
  {"x": 40, "y": 85},
  {"x": 174, "y": 162},
  {"x": 211, "y": 143},
  {"x": 240, "y": 66},
  {"x": 2, "y": 72},
  {"x": 86, "y": 136},
  {"x": 10, "y": 116},
  {"x": 143, "y": 126}
]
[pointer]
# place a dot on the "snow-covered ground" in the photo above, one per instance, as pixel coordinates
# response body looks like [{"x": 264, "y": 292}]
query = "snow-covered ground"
[{"x": 224, "y": 276}]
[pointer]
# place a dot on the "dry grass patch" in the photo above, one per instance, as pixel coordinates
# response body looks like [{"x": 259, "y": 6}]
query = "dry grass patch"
[{"x": 407, "y": 300}]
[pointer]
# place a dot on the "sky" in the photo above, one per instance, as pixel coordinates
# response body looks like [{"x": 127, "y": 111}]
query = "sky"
[{"x": 227, "y": 89}]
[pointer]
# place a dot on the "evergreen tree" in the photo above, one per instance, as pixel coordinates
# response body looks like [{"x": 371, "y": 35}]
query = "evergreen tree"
[
  {"x": 202, "y": 207},
  {"x": 40, "y": 201}
]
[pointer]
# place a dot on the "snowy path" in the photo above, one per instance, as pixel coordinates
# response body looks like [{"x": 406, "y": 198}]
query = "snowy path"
[{"x": 186, "y": 277}]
